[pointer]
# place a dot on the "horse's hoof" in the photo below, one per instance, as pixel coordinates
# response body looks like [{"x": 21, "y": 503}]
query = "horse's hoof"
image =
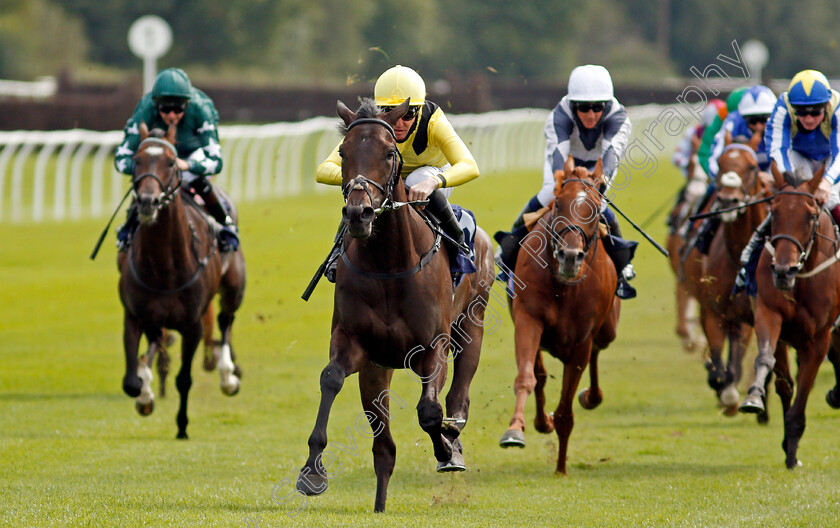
[
  {"x": 132, "y": 386},
  {"x": 311, "y": 484},
  {"x": 145, "y": 409},
  {"x": 232, "y": 387},
  {"x": 762, "y": 418},
  {"x": 456, "y": 463},
  {"x": 752, "y": 405},
  {"x": 586, "y": 400},
  {"x": 832, "y": 399},
  {"x": 182, "y": 436},
  {"x": 512, "y": 438},
  {"x": 729, "y": 397}
]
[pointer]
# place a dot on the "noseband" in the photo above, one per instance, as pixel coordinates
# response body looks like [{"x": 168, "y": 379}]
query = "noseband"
[
  {"x": 168, "y": 190},
  {"x": 804, "y": 252},
  {"x": 361, "y": 182}
]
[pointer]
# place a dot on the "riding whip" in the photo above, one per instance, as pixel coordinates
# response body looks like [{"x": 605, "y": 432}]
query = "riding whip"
[
  {"x": 102, "y": 236},
  {"x": 716, "y": 212},
  {"x": 323, "y": 266},
  {"x": 636, "y": 227}
]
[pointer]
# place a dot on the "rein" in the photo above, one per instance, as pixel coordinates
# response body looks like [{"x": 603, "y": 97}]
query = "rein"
[{"x": 361, "y": 183}]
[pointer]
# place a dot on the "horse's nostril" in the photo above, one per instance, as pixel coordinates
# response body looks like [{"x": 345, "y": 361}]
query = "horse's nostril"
[{"x": 367, "y": 214}]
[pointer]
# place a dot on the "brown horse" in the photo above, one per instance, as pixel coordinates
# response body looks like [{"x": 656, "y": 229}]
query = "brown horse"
[
  {"x": 798, "y": 279},
  {"x": 394, "y": 306},
  {"x": 564, "y": 303},
  {"x": 171, "y": 273},
  {"x": 711, "y": 278}
]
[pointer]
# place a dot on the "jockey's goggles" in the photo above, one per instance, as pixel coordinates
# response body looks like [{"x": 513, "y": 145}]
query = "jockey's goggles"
[
  {"x": 589, "y": 107},
  {"x": 411, "y": 114},
  {"x": 809, "y": 110},
  {"x": 166, "y": 108},
  {"x": 757, "y": 119}
]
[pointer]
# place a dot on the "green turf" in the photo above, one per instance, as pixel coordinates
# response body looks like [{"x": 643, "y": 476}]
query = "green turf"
[{"x": 656, "y": 453}]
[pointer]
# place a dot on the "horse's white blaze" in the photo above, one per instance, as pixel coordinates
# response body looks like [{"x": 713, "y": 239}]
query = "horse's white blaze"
[
  {"x": 730, "y": 396},
  {"x": 229, "y": 381},
  {"x": 155, "y": 150},
  {"x": 145, "y": 375},
  {"x": 729, "y": 216},
  {"x": 731, "y": 179}
]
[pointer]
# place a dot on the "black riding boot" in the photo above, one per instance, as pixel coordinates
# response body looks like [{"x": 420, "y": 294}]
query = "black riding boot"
[
  {"x": 229, "y": 235},
  {"x": 439, "y": 206},
  {"x": 126, "y": 231},
  {"x": 623, "y": 289}
]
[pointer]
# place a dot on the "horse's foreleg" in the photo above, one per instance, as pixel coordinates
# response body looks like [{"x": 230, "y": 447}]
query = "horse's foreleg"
[
  {"x": 768, "y": 325},
  {"x": 564, "y": 417},
  {"x": 527, "y": 332},
  {"x": 347, "y": 359},
  {"x": 132, "y": 385},
  {"x": 809, "y": 363},
  {"x": 738, "y": 336},
  {"x": 190, "y": 338},
  {"x": 543, "y": 423},
  {"x": 376, "y": 399}
]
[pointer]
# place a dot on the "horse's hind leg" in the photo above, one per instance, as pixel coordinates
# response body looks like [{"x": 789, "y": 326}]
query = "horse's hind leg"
[
  {"x": 211, "y": 347},
  {"x": 466, "y": 348},
  {"x": 543, "y": 422},
  {"x": 832, "y": 397},
  {"x": 373, "y": 384},
  {"x": 738, "y": 338},
  {"x": 145, "y": 402},
  {"x": 190, "y": 338},
  {"x": 232, "y": 291}
]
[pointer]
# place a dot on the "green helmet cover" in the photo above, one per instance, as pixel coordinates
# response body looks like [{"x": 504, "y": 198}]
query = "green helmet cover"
[{"x": 172, "y": 83}]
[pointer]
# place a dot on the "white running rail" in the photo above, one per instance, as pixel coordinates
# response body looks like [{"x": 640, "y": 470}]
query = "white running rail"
[{"x": 69, "y": 174}]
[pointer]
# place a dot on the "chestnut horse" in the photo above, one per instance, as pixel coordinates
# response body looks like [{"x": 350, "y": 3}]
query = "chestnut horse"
[
  {"x": 394, "y": 306},
  {"x": 564, "y": 303},
  {"x": 171, "y": 273},
  {"x": 798, "y": 279},
  {"x": 711, "y": 278}
]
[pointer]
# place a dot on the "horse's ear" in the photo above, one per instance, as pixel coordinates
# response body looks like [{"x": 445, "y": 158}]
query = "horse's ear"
[
  {"x": 814, "y": 182},
  {"x": 558, "y": 180},
  {"x": 598, "y": 170},
  {"x": 171, "y": 132},
  {"x": 778, "y": 179},
  {"x": 727, "y": 139},
  {"x": 144, "y": 130},
  {"x": 394, "y": 115},
  {"x": 569, "y": 166},
  {"x": 346, "y": 115}
]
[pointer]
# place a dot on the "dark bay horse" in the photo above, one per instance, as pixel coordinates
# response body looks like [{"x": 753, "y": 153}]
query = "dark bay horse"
[
  {"x": 563, "y": 303},
  {"x": 171, "y": 273},
  {"x": 798, "y": 279},
  {"x": 394, "y": 306},
  {"x": 711, "y": 278}
]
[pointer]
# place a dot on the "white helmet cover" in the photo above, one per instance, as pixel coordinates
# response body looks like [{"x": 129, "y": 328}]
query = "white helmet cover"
[
  {"x": 590, "y": 83},
  {"x": 757, "y": 100}
]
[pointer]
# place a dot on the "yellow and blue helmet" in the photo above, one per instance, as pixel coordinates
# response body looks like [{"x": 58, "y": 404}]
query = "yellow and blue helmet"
[{"x": 809, "y": 87}]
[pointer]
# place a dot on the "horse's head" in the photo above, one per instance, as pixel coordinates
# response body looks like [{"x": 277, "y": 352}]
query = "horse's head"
[
  {"x": 794, "y": 226},
  {"x": 577, "y": 209},
  {"x": 156, "y": 177},
  {"x": 370, "y": 163},
  {"x": 737, "y": 180}
]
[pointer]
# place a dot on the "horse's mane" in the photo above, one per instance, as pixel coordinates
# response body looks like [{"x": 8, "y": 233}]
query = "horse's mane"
[{"x": 368, "y": 108}]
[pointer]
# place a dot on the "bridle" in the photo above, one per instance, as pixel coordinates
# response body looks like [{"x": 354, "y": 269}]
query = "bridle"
[
  {"x": 169, "y": 191},
  {"x": 588, "y": 239},
  {"x": 362, "y": 183},
  {"x": 804, "y": 250}
]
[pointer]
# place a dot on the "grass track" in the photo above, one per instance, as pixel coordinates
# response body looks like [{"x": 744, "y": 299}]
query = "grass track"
[{"x": 656, "y": 453}]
